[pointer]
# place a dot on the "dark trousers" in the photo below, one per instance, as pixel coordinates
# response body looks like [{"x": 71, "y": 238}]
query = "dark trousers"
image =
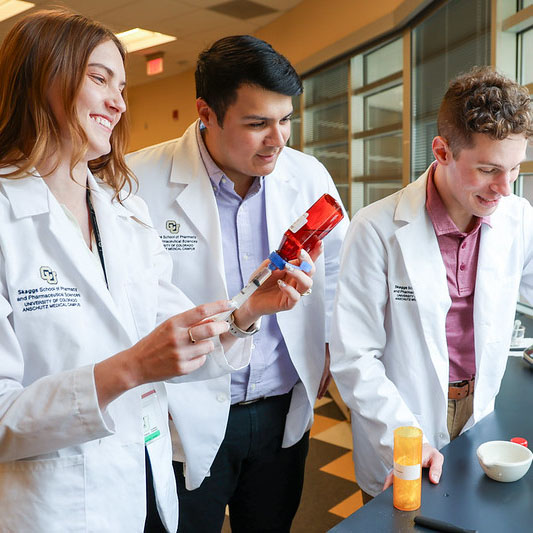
[
  {"x": 153, "y": 523},
  {"x": 259, "y": 480}
]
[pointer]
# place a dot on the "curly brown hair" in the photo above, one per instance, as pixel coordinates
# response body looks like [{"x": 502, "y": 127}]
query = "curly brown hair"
[
  {"x": 43, "y": 48},
  {"x": 483, "y": 101}
]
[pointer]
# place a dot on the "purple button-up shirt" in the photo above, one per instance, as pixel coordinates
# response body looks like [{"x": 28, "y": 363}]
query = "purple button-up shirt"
[
  {"x": 459, "y": 252},
  {"x": 245, "y": 246}
]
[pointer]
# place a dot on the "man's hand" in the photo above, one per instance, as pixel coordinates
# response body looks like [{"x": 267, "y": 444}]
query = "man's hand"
[
  {"x": 281, "y": 291},
  {"x": 431, "y": 458}
]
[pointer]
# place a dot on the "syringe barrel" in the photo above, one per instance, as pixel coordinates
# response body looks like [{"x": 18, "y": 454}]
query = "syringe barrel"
[{"x": 252, "y": 286}]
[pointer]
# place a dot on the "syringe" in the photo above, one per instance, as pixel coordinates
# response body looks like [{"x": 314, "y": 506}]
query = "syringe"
[
  {"x": 251, "y": 287},
  {"x": 304, "y": 233},
  {"x": 276, "y": 261}
]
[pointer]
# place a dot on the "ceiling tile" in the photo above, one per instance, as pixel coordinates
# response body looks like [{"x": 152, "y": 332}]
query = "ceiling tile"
[
  {"x": 145, "y": 14},
  {"x": 94, "y": 8},
  {"x": 201, "y": 3},
  {"x": 191, "y": 21},
  {"x": 195, "y": 22},
  {"x": 281, "y": 5}
]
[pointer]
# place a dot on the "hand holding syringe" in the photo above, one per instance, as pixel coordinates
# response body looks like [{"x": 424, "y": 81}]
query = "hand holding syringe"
[{"x": 304, "y": 234}]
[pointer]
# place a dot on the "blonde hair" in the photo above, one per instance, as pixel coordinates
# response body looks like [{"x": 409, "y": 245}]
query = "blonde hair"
[{"x": 48, "y": 47}]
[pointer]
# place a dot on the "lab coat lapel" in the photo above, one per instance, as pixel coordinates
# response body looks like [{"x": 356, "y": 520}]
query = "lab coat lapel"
[
  {"x": 493, "y": 260},
  {"x": 109, "y": 216},
  {"x": 196, "y": 200},
  {"x": 280, "y": 200},
  {"x": 67, "y": 244},
  {"x": 426, "y": 271}
]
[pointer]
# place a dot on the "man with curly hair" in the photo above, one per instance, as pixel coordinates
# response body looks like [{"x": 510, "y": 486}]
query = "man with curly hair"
[{"x": 429, "y": 281}]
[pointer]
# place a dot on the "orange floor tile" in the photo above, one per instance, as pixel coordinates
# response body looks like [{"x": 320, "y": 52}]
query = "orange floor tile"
[
  {"x": 339, "y": 434},
  {"x": 322, "y": 423},
  {"x": 341, "y": 467},
  {"x": 349, "y": 505}
]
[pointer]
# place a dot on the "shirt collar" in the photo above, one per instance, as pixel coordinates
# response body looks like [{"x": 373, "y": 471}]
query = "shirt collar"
[
  {"x": 438, "y": 213},
  {"x": 213, "y": 171}
]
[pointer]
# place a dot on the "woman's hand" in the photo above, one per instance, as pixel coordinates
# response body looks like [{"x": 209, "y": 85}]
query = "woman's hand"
[
  {"x": 280, "y": 292},
  {"x": 176, "y": 347}
]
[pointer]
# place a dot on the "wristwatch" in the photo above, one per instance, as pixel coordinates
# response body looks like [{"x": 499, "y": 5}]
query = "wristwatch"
[{"x": 241, "y": 333}]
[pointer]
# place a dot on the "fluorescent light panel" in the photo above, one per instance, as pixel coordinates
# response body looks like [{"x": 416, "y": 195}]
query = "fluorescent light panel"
[
  {"x": 10, "y": 8},
  {"x": 139, "y": 39}
]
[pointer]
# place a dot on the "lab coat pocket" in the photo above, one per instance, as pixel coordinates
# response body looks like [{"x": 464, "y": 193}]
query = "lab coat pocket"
[
  {"x": 43, "y": 495},
  {"x": 142, "y": 296}
]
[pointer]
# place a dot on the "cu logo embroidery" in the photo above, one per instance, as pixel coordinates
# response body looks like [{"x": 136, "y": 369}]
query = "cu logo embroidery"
[
  {"x": 48, "y": 275},
  {"x": 172, "y": 226}
]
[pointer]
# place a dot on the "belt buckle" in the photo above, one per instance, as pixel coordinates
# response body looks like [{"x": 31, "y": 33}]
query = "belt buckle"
[
  {"x": 249, "y": 402},
  {"x": 463, "y": 389}
]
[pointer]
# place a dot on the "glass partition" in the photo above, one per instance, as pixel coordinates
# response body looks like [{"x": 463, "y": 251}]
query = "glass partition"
[
  {"x": 352, "y": 113},
  {"x": 376, "y": 119},
  {"x": 325, "y": 123},
  {"x": 453, "y": 39}
]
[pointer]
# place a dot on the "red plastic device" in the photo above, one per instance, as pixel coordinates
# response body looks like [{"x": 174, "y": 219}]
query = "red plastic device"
[{"x": 311, "y": 227}]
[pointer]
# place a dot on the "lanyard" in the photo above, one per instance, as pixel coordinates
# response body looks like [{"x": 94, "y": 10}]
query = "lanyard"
[{"x": 94, "y": 224}]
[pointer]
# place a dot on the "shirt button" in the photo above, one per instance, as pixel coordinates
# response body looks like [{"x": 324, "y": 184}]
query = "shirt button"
[
  {"x": 252, "y": 386},
  {"x": 253, "y": 346},
  {"x": 441, "y": 435},
  {"x": 221, "y": 397},
  {"x": 223, "y": 180},
  {"x": 462, "y": 267},
  {"x": 463, "y": 246}
]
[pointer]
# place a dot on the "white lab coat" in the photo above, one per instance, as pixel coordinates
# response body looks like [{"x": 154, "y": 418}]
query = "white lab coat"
[
  {"x": 176, "y": 187},
  {"x": 388, "y": 339},
  {"x": 65, "y": 465}
]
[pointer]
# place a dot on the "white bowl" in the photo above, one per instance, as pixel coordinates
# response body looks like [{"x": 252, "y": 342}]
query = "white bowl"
[{"x": 504, "y": 460}]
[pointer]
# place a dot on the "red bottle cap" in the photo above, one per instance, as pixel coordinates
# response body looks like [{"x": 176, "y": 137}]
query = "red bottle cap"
[{"x": 519, "y": 440}]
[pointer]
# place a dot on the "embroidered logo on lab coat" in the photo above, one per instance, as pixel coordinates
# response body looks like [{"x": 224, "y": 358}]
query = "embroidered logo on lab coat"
[
  {"x": 48, "y": 275},
  {"x": 178, "y": 242},
  {"x": 172, "y": 226},
  {"x": 51, "y": 296},
  {"x": 404, "y": 293}
]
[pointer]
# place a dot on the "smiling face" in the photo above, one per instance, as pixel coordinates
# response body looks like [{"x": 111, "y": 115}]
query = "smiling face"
[
  {"x": 99, "y": 103},
  {"x": 474, "y": 183},
  {"x": 256, "y": 127}
]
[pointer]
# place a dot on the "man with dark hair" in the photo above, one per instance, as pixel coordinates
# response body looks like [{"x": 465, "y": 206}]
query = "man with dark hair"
[
  {"x": 241, "y": 60},
  {"x": 222, "y": 196},
  {"x": 429, "y": 281}
]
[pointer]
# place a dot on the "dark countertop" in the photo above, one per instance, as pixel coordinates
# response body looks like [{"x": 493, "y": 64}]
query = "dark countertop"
[{"x": 465, "y": 496}]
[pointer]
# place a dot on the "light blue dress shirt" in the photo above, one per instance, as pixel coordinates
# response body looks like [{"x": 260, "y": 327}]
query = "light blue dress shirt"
[{"x": 245, "y": 246}]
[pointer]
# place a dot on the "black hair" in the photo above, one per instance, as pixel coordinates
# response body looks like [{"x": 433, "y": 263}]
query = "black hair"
[{"x": 242, "y": 60}]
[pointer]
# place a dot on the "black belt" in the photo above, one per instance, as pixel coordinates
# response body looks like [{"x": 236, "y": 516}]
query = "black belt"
[
  {"x": 262, "y": 398},
  {"x": 255, "y": 400}
]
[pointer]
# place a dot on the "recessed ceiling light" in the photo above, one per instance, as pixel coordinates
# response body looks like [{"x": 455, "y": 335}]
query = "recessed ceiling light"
[
  {"x": 13, "y": 7},
  {"x": 139, "y": 39}
]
